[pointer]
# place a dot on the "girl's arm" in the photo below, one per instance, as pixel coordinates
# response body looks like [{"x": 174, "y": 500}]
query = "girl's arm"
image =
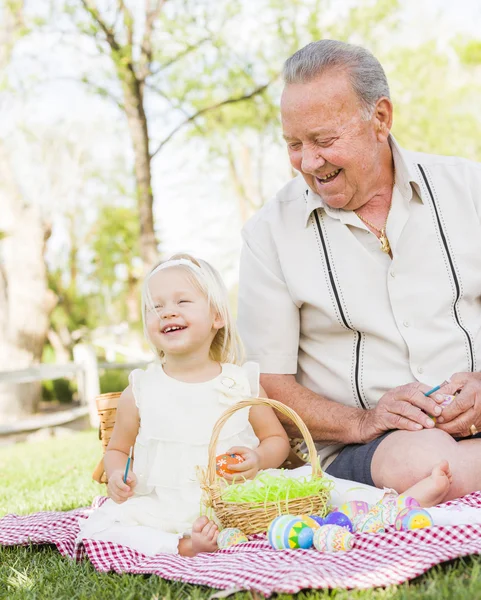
[
  {"x": 123, "y": 437},
  {"x": 274, "y": 445}
]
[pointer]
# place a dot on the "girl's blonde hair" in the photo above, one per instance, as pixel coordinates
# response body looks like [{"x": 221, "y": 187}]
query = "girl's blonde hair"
[{"x": 226, "y": 346}]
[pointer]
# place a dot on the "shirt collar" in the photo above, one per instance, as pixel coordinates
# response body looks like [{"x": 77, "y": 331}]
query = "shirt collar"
[{"x": 405, "y": 177}]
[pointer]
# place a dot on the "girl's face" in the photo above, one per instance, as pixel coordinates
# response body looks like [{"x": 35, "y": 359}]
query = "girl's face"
[{"x": 180, "y": 322}]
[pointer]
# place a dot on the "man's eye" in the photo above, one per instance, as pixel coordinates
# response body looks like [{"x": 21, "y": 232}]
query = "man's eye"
[
  {"x": 294, "y": 145},
  {"x": 325, "y": 143}
]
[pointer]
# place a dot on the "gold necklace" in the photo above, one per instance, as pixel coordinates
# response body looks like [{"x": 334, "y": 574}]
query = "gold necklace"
[{"x": 385, "y": 246}]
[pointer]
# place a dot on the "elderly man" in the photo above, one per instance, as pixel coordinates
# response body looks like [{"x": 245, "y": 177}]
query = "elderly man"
[{"x": 360, "y": 282}]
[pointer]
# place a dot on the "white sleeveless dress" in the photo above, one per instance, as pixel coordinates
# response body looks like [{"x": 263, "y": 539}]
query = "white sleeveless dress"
[{"x": 176, "y": 423}]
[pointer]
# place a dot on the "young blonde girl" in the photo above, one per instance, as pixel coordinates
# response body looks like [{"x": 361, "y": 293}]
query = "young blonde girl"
[{"x": 168, "y": 412}]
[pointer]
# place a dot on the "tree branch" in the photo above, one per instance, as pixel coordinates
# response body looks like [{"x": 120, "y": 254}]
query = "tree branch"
[
  {"x": 203, "y": 111},
  {"x": 181, "y": 55},
  {"x": 173, "y": 105},
  {"x": 128, "y": 21},
  {"x": 98, "y": 89},
  {"x": 93, "y": 11},
  {"x": 146, "y": 53}
]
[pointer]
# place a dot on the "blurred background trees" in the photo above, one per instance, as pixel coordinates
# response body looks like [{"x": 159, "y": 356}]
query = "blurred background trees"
[{"x": 131, "y": 129}]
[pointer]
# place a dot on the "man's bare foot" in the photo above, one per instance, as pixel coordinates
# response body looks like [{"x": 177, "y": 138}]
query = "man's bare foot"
[
  {"x": 203, "y": 539},
  {"x": 432, "y": 489}
]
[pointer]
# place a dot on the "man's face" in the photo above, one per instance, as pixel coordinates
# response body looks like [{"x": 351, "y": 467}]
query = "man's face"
[{"x": 329, "y": 142}]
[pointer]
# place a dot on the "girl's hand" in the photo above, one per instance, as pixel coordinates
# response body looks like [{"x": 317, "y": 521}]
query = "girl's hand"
[
  {"x": 117, "y": 489},
  {"x": 247, "y": 469}
]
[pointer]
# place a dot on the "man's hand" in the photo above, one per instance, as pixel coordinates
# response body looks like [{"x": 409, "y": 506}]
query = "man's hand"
[
  {"x": 465, "y": 410},
  {"x": 247, "y": 469},
  {"x": 117, "y": 489},
  {"x": 404, "y": 407}
]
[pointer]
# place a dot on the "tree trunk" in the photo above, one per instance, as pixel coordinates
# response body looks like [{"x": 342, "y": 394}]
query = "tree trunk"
[
  {"x": 138, "y": 127},
  {"x": 25, "y": 301}
]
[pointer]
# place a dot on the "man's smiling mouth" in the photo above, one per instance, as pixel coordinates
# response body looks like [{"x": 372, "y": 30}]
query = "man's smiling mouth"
[{"x": 329, "y": 177}]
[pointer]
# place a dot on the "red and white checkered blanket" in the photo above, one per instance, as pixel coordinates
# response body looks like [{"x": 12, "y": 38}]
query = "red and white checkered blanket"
[{"x": 376, "y": 559}]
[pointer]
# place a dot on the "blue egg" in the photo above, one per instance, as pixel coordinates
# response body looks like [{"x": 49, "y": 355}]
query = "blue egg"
[
  {"x": 320, "y": 520},
  {"x": 339, "y": 518}
]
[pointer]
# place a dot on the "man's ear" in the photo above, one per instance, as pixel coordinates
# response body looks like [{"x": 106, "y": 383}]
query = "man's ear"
[{"x": 383, "y": 116}]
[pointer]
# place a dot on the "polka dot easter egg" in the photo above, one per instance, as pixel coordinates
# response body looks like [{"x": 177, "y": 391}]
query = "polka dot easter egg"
[
  {"x": 288, "y": 532},
  {"x": 332, "y": 538},
  {"x": 224, "y": 461},
  {"x": 231, "y": 536},
  {"x": 413, "y": 518}
]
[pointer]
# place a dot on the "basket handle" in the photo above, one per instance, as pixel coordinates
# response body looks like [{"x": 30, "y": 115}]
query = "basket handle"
[{"x": 282, "y": 408}]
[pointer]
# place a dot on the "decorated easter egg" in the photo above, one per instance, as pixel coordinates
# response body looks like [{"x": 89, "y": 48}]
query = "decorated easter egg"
[
  {"x": 230, "y": 537},
  {"x": 318, "y": 519},
  {"x": 339, "y": 518},
  {"x": 311, "y": 521},
  {"x": 388, "y": 511},
  {"x": 372, "y": 523},
  {"x": 289, "y": 532},
  {"x": 275, "y": 533},
  {"x": 402, "y": 501},
  {"x": 355, "y": 510},
  {"x": 413, "y": 518},
  {"x": 332, "y": 538},
  {"x": 224, "y": 461}
]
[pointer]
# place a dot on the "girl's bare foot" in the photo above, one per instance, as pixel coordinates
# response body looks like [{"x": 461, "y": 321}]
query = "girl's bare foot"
[
  {"x": 203, "y": 539},
  {"x": 432, "y": 489}
]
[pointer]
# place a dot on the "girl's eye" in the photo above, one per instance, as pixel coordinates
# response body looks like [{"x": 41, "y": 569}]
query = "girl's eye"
[{"x": 181, "y": 301}]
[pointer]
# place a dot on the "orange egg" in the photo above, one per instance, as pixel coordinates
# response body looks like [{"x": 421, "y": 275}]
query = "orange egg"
[{"x": 224, "y": 461}]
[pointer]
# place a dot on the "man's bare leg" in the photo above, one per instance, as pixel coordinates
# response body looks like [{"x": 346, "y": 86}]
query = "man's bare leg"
[{"x": 406, "y": 457}]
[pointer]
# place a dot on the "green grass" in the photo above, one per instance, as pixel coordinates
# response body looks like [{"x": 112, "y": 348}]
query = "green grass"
[{"x": 55, "y": 475}]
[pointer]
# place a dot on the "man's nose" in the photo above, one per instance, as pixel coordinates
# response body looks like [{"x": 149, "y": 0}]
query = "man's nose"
[{"x": 312, "y": 160}]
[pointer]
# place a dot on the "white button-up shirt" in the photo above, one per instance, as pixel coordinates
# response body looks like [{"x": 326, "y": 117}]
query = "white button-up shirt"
[{"x": 319, "y": 299}]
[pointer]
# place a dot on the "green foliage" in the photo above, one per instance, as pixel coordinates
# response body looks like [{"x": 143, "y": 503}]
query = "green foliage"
[
  {"x": 469, "y": 52},
  {"x": 436, "y": 110},
  {"x": 114, "y": 380},
  {"x": 58, "y": 390}
]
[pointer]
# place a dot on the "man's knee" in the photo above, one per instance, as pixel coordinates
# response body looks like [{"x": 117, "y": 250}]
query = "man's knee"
[{"x": 405, "y": 457}]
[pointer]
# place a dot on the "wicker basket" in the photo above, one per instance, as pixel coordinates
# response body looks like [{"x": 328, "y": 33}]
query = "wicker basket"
[
  {"x": 107, "y": 409},
  {"x": 255, "y": 517}
]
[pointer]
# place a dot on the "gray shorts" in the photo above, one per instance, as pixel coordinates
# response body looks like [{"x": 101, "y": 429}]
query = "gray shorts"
[{"x": 354, "y": 461}]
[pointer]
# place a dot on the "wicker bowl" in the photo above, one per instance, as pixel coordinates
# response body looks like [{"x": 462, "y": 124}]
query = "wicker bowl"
[{"x": 255, "y": 517}]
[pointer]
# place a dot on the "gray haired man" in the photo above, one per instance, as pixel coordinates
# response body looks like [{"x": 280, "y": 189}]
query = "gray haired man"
[{"x": 360, "y": 282}]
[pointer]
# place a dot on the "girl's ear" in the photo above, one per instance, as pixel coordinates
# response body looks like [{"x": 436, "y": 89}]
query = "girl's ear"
[{"x": 218, "y": 322}]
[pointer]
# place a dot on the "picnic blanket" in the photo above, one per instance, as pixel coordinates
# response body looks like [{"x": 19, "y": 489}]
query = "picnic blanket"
[{"x": 376, "y": 559}]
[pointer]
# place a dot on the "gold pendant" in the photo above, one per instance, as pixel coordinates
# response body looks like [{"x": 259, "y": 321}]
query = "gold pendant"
[{"x": 385, "y": 247}]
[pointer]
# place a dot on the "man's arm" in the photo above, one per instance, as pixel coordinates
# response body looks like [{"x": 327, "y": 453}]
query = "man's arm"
[
  {"x": 404, "y": 407},
  {"x": 327, "y": 421}
]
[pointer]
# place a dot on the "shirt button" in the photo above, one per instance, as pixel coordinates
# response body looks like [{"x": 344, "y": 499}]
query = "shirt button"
[
  {"x": 406, "y": 323},
  {"x": 392, "y": 273},
  {"x": 420, "y": 370}
]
